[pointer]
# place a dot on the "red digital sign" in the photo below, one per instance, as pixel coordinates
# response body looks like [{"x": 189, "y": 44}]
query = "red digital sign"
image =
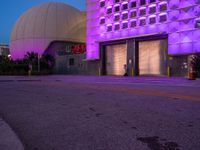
[{"x": 78, "y": 49}]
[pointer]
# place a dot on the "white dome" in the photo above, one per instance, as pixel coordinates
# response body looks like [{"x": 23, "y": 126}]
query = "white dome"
[{"x": 43, "y": 24}]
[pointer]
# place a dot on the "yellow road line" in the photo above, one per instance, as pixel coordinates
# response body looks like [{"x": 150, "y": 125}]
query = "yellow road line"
[{"x": 147, "y": 92}]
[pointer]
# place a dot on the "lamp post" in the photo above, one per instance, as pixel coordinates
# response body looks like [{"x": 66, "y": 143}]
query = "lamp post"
[
  {"x": 9, "y": 57},
  {"x": 39, "y": 56}
]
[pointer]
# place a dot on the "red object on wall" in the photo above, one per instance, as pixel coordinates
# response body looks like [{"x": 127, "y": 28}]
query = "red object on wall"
[{"x": 79, "y": 49}]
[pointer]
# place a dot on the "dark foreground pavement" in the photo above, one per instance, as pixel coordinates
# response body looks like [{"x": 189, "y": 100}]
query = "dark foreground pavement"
[{"x": 102, "y": 113}]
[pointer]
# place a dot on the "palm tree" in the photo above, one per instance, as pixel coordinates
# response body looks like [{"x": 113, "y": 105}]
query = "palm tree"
[
  {"x": 47, "y": 61},
  {"x": 31, "y": 57}
]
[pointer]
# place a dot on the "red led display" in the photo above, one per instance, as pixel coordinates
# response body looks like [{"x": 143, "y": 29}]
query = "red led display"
[{"x": 79, "y": 49}]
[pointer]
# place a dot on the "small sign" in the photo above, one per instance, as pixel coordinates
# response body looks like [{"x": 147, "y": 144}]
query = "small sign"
[
  {"x": 78, "y": 49},
  {"x": 72, "y": 49}
]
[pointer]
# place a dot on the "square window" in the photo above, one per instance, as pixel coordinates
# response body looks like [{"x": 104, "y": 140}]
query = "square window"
[
  {"x": 163, "y": 18},
  {"x": 133, "y": 4},
  {"x": 152, "y": 1},
  {"x": 116, "y": 18},
  {"x": 117, "y": 8},
  {"x": 133, "y": 24},
  {"x": 102, "y": 20},
  {"x": 133, "y": 14},
  {"x": 142, "y": 2},
  {"x": 117, "y": 27},
  {"x": 163, "y": 7},
  {"x": 142, "y": 22},
  {"x": 125, "y": 25},
  {"x": 142, "y": 12},
  {"x": 152, "y": 10},
  {"x": 124, "y": 16},
  {"x": 102, "y": 3},
  {"x": 109, "y": 28},
  {"x": 117, "y": 1},
  {"x": 197, "y": 23},
  {"x": 124, "y": 6},
  {"x": 152, "y": 20},
  {"x": 109, "y": 10}
]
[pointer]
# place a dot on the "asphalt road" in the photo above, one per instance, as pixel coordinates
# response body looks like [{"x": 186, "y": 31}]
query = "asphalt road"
[{"x": 102, "y": 113}]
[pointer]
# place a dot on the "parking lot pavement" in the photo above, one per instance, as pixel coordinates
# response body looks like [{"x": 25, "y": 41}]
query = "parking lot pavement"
[
  {"x": 8, "y": 138},
  {"x": 102, "y": 113}
]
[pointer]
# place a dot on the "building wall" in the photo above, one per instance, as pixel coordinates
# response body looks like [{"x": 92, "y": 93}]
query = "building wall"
[
  {"x": 176, "y": 18},
  {"x": 4, "y": 50},
  {"x": 63, "y": 65},
  {"x": 69, "y": 57},
  {"x": 178, "y": 65}
]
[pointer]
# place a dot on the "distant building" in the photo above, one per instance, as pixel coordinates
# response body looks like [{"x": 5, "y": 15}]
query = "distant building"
[
  {"x": 4, "y": 50},
  {"x": 52, "y": 28}
]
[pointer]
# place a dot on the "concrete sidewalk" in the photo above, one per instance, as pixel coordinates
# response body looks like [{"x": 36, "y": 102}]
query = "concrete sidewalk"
[{"x": 8, "y": 139}]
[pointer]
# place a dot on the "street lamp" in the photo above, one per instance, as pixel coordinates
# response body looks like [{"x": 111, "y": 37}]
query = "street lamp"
[
  {"x": 39, "y": 56},
  {"x": 9, "y": 57}
]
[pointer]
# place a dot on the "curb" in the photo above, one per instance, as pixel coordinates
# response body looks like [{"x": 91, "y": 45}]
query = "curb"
[{"x": 8, "y": 138}]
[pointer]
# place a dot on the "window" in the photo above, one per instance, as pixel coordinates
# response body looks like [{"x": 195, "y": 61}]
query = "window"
[
  {"x": 109, "y": 28},
  {"x": 142, "y": 22},
  {"x": 133, "y": 4},
  {"x": 163, "y": 18},
  {"x": 124, "y": 16},
  {"x": 163, "y": 7},
  {"x": 133, "y": 23},
  {"x": 152, "y": 1},
  {"x": 117, "y": 27},
  {"x": 142, "y": 12},
  {"x": 116, "y": 18},
  {"x": 102, "y": 3},
  {"x": 102, "y": 20},
  {"x": 152, "y": 10},
  {"x": 71, "y": 61},
  {"x": 152, "y": 20},
  {"x": 109, "y": 10},
  {"x": 124, "y": 6},
  {"x": 117, "y": 8},
  {"x": 142, "y": 2},
  {"x": 117, "y": 1},
  {"x": 125, "y": 25},
  {"x": 133, "y": 14},
  {"x": 197, "y": 23}
]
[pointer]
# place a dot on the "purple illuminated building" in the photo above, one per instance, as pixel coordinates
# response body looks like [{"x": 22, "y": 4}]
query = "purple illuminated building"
[{"x": 142, "y": 37}]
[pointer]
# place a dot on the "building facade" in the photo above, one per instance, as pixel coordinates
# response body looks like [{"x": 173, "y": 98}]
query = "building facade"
[
  {"x": 142, "y": 37},
  {"x": 69, "y": 57}
]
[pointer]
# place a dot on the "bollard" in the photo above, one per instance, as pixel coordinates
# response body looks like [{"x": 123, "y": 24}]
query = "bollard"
[
  {"x": 132, "y": 70},
  {"x": 169, "y": 71},
  {"x": 99, "y": 71}
]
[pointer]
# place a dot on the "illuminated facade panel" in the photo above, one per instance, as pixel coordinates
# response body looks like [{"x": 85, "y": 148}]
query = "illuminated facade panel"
[{"x": 179, "y": 19}]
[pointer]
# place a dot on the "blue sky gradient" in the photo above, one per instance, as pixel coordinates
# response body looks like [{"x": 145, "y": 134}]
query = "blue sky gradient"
[{"x": 11, "y": 10}]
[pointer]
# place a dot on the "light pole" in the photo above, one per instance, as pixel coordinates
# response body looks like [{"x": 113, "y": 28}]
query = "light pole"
[
  {"x": 39, "y": 63},
  {"x": 9, "y": 57}
]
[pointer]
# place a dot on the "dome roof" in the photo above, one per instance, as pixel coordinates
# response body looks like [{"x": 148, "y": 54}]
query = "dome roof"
[{"x": 43, "y": 24}]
